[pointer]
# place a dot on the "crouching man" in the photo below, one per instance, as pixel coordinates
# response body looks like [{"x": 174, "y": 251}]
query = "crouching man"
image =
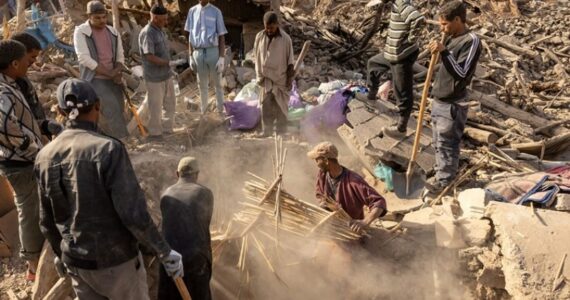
[{"x": 345, "y": 187}]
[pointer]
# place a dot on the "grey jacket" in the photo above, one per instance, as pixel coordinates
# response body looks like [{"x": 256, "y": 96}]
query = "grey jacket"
[
  {"x": 92, "y": 209},
  {"x": 87, "y": 51}
]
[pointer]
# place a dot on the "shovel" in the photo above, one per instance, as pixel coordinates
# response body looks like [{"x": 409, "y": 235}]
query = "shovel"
[
  {"x": 182, "y": 289},
  {"x": 423, "y": 103}
]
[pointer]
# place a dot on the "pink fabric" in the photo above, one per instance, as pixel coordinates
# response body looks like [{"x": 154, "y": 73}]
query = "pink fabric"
[{"x": 103, "y": 42}]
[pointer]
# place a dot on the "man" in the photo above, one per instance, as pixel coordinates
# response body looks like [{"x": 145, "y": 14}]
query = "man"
[
  {"x": 459, "y": 57},
  {"x": 186, "y": 214},
  {"x": 155, "y": 54},
  {"x": 206, "y": 30},
  {"x": 20, "y": 141},
  {"x": 49, "y": 128},
  {"x": 400, "y": 54},
  {"x": 93, "y": 211},
  {"x": 100, "y": 53},
  {"x": 349, "y": 189},
  {"x": 274, "y": 68}
]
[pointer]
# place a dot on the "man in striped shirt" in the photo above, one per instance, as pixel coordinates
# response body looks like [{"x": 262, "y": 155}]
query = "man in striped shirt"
[
  {"x": 459, "y": 56},
  {"x": 400, "y": 53},
  {"x": 20, "y": 141}
]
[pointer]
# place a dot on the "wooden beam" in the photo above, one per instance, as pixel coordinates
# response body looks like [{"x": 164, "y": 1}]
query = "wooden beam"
[
  {"x": 495, "y": 104},
  {"x": 116, "y": 16},
  {"x": 20, "y": 15},
  {"x": 60, "y": 290}
]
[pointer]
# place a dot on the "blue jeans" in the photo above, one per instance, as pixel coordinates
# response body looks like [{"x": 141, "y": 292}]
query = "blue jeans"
[
  {"x": 206, "y": 59},
  {"x": 448, "y": 122}
]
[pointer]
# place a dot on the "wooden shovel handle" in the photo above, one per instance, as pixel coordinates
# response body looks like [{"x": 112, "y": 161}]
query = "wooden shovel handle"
[
  {"x": 182, "y": 289},
  {"x": 427, "y": 85}
]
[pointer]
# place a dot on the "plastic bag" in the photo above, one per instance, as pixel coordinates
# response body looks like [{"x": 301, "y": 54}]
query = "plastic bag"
[
  {"x": 327, "y": 116},
  {"x": 243, "y": 114},
  {"x": 249, "y": 92},
  {"x": 295, "y": 98}
]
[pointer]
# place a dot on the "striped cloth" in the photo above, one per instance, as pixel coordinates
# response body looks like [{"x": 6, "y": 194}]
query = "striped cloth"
[
  {"x": 406, "y": 23},
  {"x": 20, "y": 134}
]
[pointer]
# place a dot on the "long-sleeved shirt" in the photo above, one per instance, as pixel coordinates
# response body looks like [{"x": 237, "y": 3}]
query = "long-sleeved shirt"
[
  {"x": 92, "y": 209},
  {"x": 47, "y": 127},
  {"x": 186, "y": 214},
  {"x": 86, "y": 49},
  {"x": 459, "y": 61},
  {"x": 20, "y": 134},
  {"x": 352, "y": 192},
  {"x": 273, "y": 60},
  {"x": 406, "y": 24}
]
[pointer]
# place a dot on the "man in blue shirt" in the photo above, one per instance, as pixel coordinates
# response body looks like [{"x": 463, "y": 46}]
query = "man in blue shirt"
[{"x": 205, "y": 25}]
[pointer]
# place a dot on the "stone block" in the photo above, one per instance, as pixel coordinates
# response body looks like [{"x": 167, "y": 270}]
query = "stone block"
[
  {"x": 448, "y": 233},
  {"x": 473, "y": 202},
  {"x": 476, "y": 232},
  {"x": 562, "y": 202}
]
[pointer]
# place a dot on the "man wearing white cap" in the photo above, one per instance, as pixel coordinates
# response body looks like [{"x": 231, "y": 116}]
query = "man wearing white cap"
[{"x": 186, "y": 214}]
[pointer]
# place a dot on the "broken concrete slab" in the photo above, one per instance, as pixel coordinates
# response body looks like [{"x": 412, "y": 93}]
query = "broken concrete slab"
[
  {"x": 532, "y": 246},
  {"x": 473, "y": 202},
  {"x": 562, "y": 202},
  {"x": 476, "y": 232},
  {"x": 448, "y": 234}
]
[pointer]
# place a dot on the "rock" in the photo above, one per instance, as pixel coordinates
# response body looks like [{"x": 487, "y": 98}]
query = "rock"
[
  {"x": 245, "y": 75},
  {"x": 448, "y": 234},
  {"x": 476, "y": 232},
  {"x": 492, "y": 278},
  {"x": 473, "y": 202},
  {"x": 562, "y": 202},
  {"x": 229, "y": 82},
  {"x": 532, "y": 246}
]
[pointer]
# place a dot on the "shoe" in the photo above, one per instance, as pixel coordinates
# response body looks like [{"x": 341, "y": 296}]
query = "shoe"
[
  {"x": 398, "y": 130},
  {"x": 434, "y": 186},
  {"x": 155, "y": 138},
  {"x": 394, "y": 132},
  {"x": 30, "y": 275}
]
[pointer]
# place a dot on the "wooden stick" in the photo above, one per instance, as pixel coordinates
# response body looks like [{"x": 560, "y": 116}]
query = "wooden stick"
[
  {"x": 559, "y": 273},
  {"x": 423, "y": 104},
  {"x": 182, "y": 289},
  {"x": 61, "y": 289},
  {"x": 459, "y": 180},
  {"x": 323, "y": 221},
  {"x": 302, "y": 55},
  {"x": 269, "y": 190},
  {"x": 115, "y": 13}
]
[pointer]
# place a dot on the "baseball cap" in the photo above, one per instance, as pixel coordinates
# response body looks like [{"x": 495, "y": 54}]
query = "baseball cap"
[
  {"x": 96, "y": 7},
  {"x": 81, "y": 90},
  {"x": 158, "y": 9},
  {"x": 188, "y": 165},
  {"x": 324, "y": 149}
]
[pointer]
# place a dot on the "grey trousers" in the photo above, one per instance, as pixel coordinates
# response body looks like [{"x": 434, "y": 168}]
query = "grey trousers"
[
  {"x": 126, "y": 281},
  {"x": 272, "y": 114},
  {"x": 160, "y": 95},
  {"x": 112, "y": 120},
  {"x": 27, "y": 201},
  {"x": 448, "y": 122},
  {"x": 206, "y": 60}
]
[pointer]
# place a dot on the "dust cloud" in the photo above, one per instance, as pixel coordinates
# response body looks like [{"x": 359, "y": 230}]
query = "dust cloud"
[{"x": 382, "y": 267}]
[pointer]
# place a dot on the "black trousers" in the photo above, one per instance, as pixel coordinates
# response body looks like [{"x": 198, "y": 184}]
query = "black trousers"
[
  {"x": 402, "y": 75},
  {"x": 378, "y": 69},
  {"x": 197, "y": 275}
]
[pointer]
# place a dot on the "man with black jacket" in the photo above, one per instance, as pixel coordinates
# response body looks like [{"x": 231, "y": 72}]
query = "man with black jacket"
[
  {"x": 459, "y": 56},
  {"x": 92, "y": 209},
  {"x": 186, "y": 214}
]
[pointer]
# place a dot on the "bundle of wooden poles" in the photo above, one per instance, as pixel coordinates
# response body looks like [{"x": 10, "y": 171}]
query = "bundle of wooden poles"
[{"x": 296, "y": 216}]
